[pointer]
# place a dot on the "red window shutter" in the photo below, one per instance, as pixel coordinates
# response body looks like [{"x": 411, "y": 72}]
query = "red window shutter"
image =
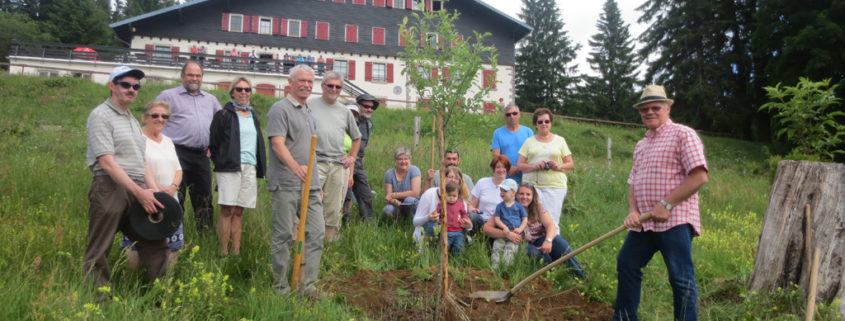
[
  {"x": 245, "y": 26},
  {"x": 219, "y": 53},
  {"x": 489, "y": 79},
  {"x": 176, "y": 51},
  {"x": 402, "y": 40},
  {"x": 340, "y": 1},
  {"x": 489, "y": 108},
  {"x": 275, "y": 26},
  {"x": 446, "y": 73},
  {"x": 225, "y": 25},
  {"x": 350, "y": 67},
  {"x": 427, "y": 5},
  {"x": 409, "y": 4},
  {"x": 329, "y": 64},
  {"x": 368, "y": 71},
  {"x": 422, "y": 40},
  {"x": 284, "y": 27},
  {"x": 149, "y": 47},
  {"x": 378, "y": 3},
  {"x": 390, "y": 73},
  {"x": 378, "y": 36},
  {"x": 323, "y": 30},
  {"x": 268, "y": 90},
  {"x": 255, "y": 22},
  {"x": 390, "y": 3},
  {"x": 358, "y": 1},
  {"x": 434, "y": 73},
  {"x": 351, "y": 33}
]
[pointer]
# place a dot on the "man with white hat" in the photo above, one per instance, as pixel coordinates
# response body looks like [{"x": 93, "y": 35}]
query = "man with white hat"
[
  {"x": 115, "y": 156},
  {"x": 669, "y": 168}
]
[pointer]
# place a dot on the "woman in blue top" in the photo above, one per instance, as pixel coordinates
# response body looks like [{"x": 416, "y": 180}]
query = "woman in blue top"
[
  {"x": 401, "y": 185},
  {"x": 237, "y": 151}
]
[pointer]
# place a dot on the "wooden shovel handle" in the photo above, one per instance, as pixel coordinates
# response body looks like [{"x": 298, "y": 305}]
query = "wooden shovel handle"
[
  {"x": 303, "y": 215},
  {"x": 643, "y": 218}
]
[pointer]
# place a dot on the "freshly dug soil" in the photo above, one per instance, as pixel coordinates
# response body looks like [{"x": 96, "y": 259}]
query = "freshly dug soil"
[{"x": 410, "y": 295}]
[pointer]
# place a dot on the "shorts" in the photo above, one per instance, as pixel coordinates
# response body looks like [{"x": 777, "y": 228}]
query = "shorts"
[{"x": 237, "y": 188}]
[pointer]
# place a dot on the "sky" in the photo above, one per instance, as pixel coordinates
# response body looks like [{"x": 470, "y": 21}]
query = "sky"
[{"x": 579, "y": 19}]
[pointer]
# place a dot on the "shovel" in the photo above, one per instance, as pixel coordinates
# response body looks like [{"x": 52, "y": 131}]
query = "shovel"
[{"x": 502, "y": 296}]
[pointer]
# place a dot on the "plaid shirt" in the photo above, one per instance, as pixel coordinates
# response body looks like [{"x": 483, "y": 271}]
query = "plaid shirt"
[{"x": 662, "y": 160}]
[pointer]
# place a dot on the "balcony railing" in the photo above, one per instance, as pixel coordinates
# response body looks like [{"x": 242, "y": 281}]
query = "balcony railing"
[{"x": 157, "y": 57}]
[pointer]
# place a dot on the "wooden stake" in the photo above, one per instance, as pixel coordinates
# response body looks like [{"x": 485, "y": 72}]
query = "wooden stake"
[
  {"x": 303, "y": 215},
  {"x": 808, "y": 237},
  {"x": 814, "y": 275}
]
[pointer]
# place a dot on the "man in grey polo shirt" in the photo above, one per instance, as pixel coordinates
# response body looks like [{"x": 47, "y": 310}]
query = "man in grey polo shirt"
[
  {"x": 336, "y": 121},
  {"x": 290, "y": 126},
  {"x": 191, "y": 112},
  {"x": 115, "y": 156}
]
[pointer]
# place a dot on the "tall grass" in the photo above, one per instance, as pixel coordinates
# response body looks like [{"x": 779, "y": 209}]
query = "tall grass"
[{"x": 43, "y": 206}]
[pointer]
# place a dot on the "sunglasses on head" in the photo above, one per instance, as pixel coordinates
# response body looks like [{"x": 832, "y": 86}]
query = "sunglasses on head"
[
  {"x": 243, "y": 89},
  {"x": 333, "y": 86},
  {"x": 156, "y": 116},
  {"x": 511, "y": 114},
  {"x": 127, "y": 85},
  {"x": 544, "y": 121}
]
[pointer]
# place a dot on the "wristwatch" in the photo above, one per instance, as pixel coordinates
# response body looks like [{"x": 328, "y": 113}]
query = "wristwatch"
[
  {"x": 549, "y": 240},
  {"x": 666, "y": 205}
]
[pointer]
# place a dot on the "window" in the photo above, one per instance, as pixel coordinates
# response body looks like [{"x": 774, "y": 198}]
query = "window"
[
  {"x": 341, "y": 66},
  {"x": 423, "y": 73},
  {"x": 160, "y": 51},
  {"x": 378, "y": 36},
  {"x": 48, "y": 73},
  {"x": 322, "y": 30},
  {"x": 294, "y": 28},
  {"x": 351, "y": 33},
  {"x": 236, "y": 22},
  {"x": 436, "y": 5},
  {"x": 379, "y": 72},
  {"x": 431, "y": 40},
  {"x": 398, "y": 4},
  {"x": 265, "y": 26},
  {"x": 418, "y": 4},
  {"x": 83, "y": 75}
]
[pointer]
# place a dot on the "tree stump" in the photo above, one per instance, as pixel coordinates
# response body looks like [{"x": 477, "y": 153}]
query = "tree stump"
[{"x": 781, "y": 256}]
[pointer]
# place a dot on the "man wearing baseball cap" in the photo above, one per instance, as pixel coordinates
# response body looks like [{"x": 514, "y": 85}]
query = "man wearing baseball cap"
[
  {"x": 669, "y": 168},
  {"x": 367, "y": 104},
  {"x": 115, "y": 156}
]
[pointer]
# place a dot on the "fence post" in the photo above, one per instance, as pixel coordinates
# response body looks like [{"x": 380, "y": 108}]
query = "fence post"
[
  {"x": 416, "y": 131},
  {"x": 609, "y": 156}
]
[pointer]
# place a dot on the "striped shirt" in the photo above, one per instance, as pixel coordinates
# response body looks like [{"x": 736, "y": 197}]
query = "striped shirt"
[
  {"x": 662, "y": 160},
  {"x": 112, "y": 131}
]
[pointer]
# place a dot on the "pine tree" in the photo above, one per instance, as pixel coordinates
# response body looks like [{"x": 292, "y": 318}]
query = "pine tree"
[
  {"x": 543, "y": 77},
  {"x": 134, "y": 8},
  {"x": 695, "y": 47},
  {"x": 79, "y": 22},
  {"x": 612, "y": 92}
]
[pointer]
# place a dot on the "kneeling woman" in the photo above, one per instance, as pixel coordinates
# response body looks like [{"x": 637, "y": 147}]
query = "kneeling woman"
[
  {"x": 542, "y": 239},
  {"x": 237, "y": 151}
]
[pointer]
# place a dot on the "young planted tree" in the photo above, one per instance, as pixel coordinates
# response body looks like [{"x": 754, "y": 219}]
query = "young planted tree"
[
  {"x": 614, "y": 59},
  {"x": 543, "y": 75},
  {"x": 444, "y": 68}
]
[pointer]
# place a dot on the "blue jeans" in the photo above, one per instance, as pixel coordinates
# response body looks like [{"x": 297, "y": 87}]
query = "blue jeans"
[
  {"x": 559, "y": 248},
  {"x": 676, "y": 247},
  {"x": 456, "y": 242},
  {"x": 406, "y": 209}
]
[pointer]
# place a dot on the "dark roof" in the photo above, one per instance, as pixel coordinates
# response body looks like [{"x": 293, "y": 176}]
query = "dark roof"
[{"x": 200, "y": 20}]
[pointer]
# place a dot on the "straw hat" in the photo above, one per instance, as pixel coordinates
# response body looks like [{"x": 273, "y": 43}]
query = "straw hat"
[{"x": 653, "y": 93}]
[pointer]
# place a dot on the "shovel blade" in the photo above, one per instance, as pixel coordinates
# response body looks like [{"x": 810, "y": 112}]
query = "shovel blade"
[{"x": 497, "y": 296}]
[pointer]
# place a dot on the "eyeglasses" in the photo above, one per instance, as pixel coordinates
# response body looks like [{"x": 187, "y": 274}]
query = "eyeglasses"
[
  {"x": 127, "y": 85},
  {"x": 653, "y": 109},
  {"x": 368, "y": 106},
  {"x": 330, "y": 86},
  {"x": 544, "y": 121},
  {"x": 242, "y": 89},
  {"x": 156, "y": 116},
  {"x": 511, "y": 114}
]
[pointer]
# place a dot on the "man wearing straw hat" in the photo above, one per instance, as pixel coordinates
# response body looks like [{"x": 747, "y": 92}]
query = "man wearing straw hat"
[
  {"x": 289, "y": 128},
  {"x": 669, "y": 168}
]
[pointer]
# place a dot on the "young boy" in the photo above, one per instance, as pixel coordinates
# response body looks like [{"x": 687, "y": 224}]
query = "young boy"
[
  {"x": 456, "y": 219},
  {"x": 509, "y": 216}
]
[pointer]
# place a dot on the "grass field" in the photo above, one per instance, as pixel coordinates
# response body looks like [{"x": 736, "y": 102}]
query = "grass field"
[{"x": 43, "y": 206}]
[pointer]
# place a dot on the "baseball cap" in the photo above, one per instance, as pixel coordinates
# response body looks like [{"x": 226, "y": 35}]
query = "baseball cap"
[
  {"x": 122, "y": 71},
  {"x": 508, "y": 185}
]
